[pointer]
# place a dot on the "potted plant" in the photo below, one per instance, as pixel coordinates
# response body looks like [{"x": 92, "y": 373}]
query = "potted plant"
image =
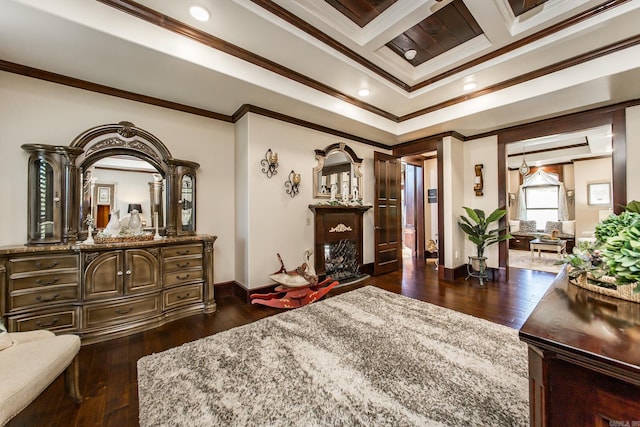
[
  {"x": 611, "y": 264},
  {"x": 476, "y": 227}
]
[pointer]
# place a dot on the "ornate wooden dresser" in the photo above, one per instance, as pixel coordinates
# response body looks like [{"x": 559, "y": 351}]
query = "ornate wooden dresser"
[
  {"x": 102, "y": 291},
  {"x": 64, "y": 282}
]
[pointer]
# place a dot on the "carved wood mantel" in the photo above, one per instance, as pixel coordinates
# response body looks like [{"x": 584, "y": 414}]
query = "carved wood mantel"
[{"x": 334, "y": 223}]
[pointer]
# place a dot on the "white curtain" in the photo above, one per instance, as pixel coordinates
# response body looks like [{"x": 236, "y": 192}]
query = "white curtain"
[{"x": 541, "y": 177}]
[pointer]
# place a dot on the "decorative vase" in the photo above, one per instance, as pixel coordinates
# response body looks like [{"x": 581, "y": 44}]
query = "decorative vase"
[
  {"x": 135, "y": 224},
  {"x": 625, "y": 292},
  {"x": 113, "y": 227}
]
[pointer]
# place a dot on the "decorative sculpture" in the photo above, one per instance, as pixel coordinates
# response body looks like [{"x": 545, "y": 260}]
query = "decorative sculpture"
[{"x": 296, "y": 288}]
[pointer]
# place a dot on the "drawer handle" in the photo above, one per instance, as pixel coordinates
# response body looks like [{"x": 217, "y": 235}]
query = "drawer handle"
[
  {"x": 186, "y": 264},
  {"x": 46, "y": 325},
  {"x": 124, "y": 311},
  {"x": 119, "y": 273},
  {"x": 47, "y": 282},
  {"x": 39, "y": 298},
  {"x": 181, "y": 297},
  {"x": 179, "y": 277},
  {"x": 186, "y": 251},
  {"x": 52, "y": 265},
  {"x": 128, "y": 271}
]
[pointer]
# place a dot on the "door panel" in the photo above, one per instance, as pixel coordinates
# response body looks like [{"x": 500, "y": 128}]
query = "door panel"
[
  {"x": 387, "y": 213},
  {"x": 141, "y": 272},
  {"x": 103, "y": 276}
]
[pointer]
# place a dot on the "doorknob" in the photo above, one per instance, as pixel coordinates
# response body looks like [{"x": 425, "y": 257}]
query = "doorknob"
[{"x": 377, "y": 227}]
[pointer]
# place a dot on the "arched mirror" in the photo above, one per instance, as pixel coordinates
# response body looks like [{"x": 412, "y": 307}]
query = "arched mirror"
[
  {"x": 339, "y": 166},
  {"x": 125, "y": 168}
]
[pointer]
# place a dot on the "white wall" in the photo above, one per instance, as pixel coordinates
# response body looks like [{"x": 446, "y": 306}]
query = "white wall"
[
  {"x": 276, "y": 222},
  {"x": 633, "y": 153},
  {"x": 453, "y": 185},
  {"x": 430, "y": 209},
  {"x": 34, "y": 111},
  {"x": 587, "y": 172},
  {"x": 481, "y": 151}
]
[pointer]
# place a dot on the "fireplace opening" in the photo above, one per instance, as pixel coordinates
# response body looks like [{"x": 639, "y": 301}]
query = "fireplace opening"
[{"x": 341, "y": 261}]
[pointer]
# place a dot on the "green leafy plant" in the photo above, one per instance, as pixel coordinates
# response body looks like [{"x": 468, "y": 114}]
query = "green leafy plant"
[
  {"x": 586, "y": 258},
  {"x": 616, "y": 252},
  {"x": 613, "y": 224},
  {"x": 476, "y": 227},
  {"x": 633, "y": 206},
  {"x": 622, "y": 255}
]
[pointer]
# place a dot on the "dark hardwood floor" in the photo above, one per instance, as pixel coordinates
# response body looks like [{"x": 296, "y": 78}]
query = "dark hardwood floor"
[{"x": 108, "y": 370}]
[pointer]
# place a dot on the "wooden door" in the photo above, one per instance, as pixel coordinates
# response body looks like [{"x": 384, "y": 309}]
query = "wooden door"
[{"x": 387, "y": 214}]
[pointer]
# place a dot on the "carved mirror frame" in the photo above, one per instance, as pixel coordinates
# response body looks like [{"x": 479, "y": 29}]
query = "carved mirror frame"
[
  {"x": 125, "y": 138},
  {"x": 355, "y": 169}
]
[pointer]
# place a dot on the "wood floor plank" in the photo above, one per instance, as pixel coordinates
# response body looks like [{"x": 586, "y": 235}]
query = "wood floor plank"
[{"x": 108, "y": 375}]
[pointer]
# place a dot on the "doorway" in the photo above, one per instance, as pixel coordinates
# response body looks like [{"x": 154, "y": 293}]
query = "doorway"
[{"x": 420, "y": 208}]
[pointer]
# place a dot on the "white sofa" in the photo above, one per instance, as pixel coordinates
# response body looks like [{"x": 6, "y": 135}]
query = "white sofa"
[{"x": 29, "y": 362}]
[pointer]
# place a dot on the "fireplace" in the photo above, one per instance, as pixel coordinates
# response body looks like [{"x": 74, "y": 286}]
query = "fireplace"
[{"x": 338, "y": 241}]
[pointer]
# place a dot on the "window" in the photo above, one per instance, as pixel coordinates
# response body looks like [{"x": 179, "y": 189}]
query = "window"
[{"x": 542, "y": 204}]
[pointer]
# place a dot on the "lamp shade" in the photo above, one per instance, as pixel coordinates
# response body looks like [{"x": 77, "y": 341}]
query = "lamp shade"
[{"x": 135, "y": 206}]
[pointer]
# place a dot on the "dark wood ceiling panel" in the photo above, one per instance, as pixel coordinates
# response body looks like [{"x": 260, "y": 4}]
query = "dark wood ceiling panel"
[
  {"x": 447, "y": 28},
  {"x": 521, "y": 6},
  {"x": 361, "y": 11}
]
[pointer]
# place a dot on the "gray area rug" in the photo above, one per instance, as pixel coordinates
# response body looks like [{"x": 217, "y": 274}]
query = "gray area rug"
[
  {"x": 364, "y": 358},
  {"x": 545, "y": 262}
]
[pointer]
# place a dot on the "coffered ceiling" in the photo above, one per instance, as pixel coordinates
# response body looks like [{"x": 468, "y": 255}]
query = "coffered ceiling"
[{"x": 310, "y": 59}]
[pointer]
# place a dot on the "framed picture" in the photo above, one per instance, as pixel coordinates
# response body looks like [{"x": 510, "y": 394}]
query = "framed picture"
[
  {"x": 432, "y": 195},
  {"x": 104, "y": 194},
  {"x": 599, "y": 194}
]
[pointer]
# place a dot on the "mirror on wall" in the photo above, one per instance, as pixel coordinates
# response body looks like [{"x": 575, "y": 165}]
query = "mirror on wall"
[
  {"x": 122, "y": 183},
  {"x": 339, "y": 166}
]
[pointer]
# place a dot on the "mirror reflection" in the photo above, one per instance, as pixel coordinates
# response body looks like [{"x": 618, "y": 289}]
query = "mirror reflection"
[
  {"x": 187, "y": 203},
  {"x": 43, "y": 201},
  {"x": 124, "y": 184},
  {"x": 337, "y": 175}
]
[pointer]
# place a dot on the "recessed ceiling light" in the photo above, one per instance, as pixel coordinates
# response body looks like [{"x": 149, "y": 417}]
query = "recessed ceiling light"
[
  {"x": 200, "y": 13},
  {"x": 410, "y": 54},
  {"x": 364, "y": 92},
  {"x": 469, "y": 86}
]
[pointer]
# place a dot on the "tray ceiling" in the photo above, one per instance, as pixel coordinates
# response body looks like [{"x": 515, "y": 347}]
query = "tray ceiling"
[{"x": 310, "y": 59}]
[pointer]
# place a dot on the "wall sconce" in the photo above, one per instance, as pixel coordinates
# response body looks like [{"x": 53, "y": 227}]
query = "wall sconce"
[
  {"x": 270, "y": 163},
  {"x": 571, "y": 196},
  {"x": 292, "y": 184},
  {"x": 512, "y": 199},
  {"x": 478, "y": 182}
]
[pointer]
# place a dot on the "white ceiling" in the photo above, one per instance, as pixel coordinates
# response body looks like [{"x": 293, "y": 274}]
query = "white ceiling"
[{"x": 92, "y": 41}]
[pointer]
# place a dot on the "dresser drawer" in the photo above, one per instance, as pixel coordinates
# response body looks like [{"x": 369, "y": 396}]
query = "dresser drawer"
[
  {"x": 181, "y": 277},
  {"x": 59, "y": 320},
  {"x": 111, "y": 313},
  {"x": 42, "y": 263},
  {"x": 194, "y": 249},
  {"x": 183, "y": 295},
  {"x": 182, "y": 263},
  {"x": 53, "y": 294},
  {"x": 53, "y": 278}
]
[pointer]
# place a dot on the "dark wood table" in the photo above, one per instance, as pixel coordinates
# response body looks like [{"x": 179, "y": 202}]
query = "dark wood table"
[{"x": 584, "y": 358}]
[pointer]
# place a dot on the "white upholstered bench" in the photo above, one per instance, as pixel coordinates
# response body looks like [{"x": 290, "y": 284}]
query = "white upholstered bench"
[{"x": 31, "y": 363}]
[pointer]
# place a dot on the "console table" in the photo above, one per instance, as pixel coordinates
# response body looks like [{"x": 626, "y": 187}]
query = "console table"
[
  {"x": 103, "y": 291},
  {"x": 584, "y": 358}
]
